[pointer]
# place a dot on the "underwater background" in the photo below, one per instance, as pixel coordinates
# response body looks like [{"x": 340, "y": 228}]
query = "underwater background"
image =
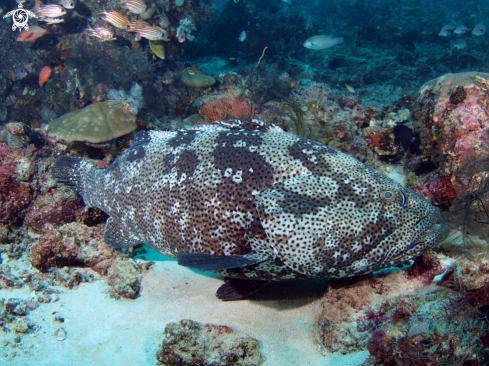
[{"x": 402, "y": 86}]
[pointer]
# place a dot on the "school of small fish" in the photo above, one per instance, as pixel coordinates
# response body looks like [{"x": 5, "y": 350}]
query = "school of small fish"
[{"x": 447, "y": 30}]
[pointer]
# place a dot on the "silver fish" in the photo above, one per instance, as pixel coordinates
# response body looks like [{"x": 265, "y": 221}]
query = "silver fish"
[
  {"x": 479, "y": 30},
  {"x": 134, "y": 6},
  {"x": 446, "y": 30},
  {"x": 67, "y": 4},
  {"x": 461, "y": 29},
  {"x": 51, "y": 11},
  {"x": 242, "y": 36},
  {"x": 153, "y": 33},
  {"x": 53, "y": 20},
  {"x": 458, "y": 43},
  {"x": 255, "y": 204},
  {"x": 19, "y": 72},
  {"x": 163, "y": 21},
  {"x": 101, "y": 33}
]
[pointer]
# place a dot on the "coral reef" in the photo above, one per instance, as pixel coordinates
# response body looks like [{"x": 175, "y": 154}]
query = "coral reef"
[
  {"x": 124, "y": 276},
  {"x": 55, "y": 207},
  {"x": 191, "y": 343},
  {"x": 15, "y": 134},
  {"x": 363, "y": 98}
]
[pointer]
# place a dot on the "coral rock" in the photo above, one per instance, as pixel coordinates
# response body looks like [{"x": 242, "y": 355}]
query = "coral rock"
[
  {"x": 124, "y": 276},
  {"x": 15, "y": 195},
  {"x": 190, "y": 343},
  {"x": 453, "y": 125},
  {"x": 56, "y": 207},
  {"x": 72, "y": 244}
]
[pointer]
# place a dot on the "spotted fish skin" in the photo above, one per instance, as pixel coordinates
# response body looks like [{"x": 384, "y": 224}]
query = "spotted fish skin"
[{"x": 308, "y": 210}]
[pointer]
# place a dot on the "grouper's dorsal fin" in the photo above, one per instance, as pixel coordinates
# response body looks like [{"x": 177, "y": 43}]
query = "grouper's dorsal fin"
[
  {"x": 233, "y": 125},
  {"x": 145, "y": 137},
  {"x": 294, "y": 215},
  {"x": 209, "y": 262},
  {"x": 249, "y": 125},
  {"x": 117, "y": 237}
]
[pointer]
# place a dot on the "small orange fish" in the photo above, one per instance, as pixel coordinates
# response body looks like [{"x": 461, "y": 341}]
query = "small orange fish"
[
  {"x": 44, "y": 75},
  {"x": 32, "y": 34}
]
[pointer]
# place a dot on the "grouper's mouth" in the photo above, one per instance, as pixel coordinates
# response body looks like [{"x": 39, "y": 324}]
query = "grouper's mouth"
[{"x": 436, "y": 233}]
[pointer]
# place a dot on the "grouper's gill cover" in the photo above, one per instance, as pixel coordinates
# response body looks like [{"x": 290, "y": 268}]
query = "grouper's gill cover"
[{"x": 262, "y": 205}]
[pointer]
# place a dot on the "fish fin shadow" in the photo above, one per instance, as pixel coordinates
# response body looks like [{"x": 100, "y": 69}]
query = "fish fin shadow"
[{"x": 238, "y": 289}]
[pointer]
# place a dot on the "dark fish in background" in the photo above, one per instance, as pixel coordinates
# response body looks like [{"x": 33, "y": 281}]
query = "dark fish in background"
[{"x": 407, "y": 138}]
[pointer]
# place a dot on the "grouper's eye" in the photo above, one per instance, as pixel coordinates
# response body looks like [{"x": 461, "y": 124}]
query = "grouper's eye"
[{"x": 388, "y": 196}]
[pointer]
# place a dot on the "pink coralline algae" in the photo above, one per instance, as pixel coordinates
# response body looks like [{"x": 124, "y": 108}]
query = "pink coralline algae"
[
  {"x": 75, "y": 244},
  {"x": 401, "y": 322},
  {"x": 71, "y": 245},
  {"x": 15, "y": 195},
  {"x": 55, "y": 207},
  {"x": 225, "y": 104},
  {"x": 453, "y": 124}
]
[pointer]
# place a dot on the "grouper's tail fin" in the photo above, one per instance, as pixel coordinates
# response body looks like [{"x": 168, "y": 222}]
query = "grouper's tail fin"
[{"x": 78, "y": 174}]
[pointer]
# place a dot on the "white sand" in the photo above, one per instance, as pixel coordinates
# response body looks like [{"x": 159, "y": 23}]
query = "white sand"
[{"x": 104, "y": 331}]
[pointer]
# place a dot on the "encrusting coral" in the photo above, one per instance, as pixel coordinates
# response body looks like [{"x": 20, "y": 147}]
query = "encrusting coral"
[
  {"x": 99, "y": 122},
  {"x": 453, "y": 125}
]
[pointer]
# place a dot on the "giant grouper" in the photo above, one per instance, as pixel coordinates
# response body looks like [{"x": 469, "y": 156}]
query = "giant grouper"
[{"x": 254, "y": 204}]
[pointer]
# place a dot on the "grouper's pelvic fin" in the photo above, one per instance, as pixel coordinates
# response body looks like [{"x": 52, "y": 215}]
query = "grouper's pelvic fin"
[{"x": 118, "y": 237}]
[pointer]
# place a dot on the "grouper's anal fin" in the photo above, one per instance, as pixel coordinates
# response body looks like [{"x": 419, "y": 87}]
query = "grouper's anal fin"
[
  {"x": 209, "y": 262},
  {"x": 118, "y": 237},
  {"x": 238, "y": 289}
]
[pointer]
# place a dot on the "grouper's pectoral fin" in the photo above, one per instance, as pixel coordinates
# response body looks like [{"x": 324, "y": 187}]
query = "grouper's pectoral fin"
[
  {"x": 117, "y": 237},
  {"x": 209, "y": 262},
  {"x": 237, "y": 289}
]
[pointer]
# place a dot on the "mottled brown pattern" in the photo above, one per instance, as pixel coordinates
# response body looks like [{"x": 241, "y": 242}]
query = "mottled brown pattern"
[{"x": 312, "y": 210}]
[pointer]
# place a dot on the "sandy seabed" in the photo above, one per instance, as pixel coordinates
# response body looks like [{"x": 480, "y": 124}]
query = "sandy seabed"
[{"x": 104, "y": 331}]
